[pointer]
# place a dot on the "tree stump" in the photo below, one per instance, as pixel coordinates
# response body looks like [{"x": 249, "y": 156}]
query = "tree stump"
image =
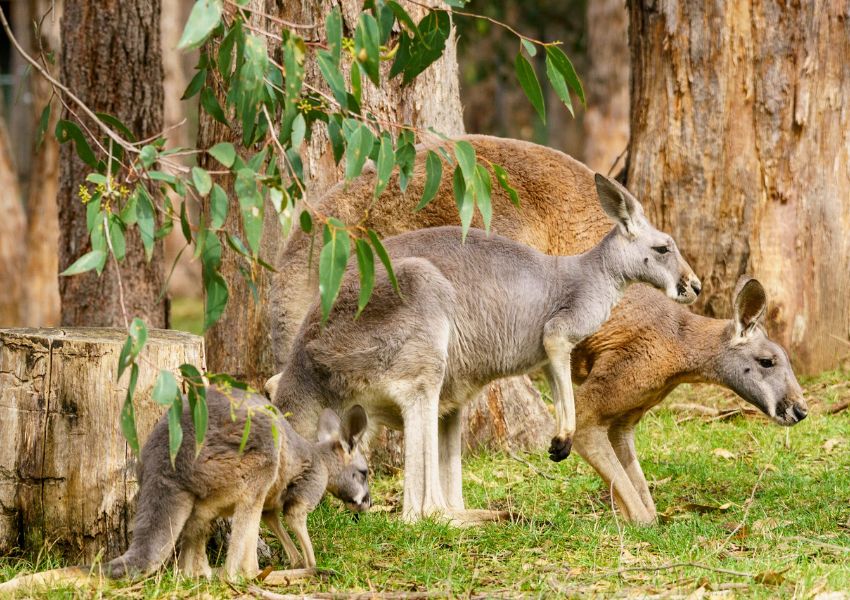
[
  {"x": 67, "y": 476},
  {"x": 509, "y": 415}
]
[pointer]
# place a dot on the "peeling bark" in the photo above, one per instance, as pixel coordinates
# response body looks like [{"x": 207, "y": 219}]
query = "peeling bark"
[{"x": 741, "y": 149}]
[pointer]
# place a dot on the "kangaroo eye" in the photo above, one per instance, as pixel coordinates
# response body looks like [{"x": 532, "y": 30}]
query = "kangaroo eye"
[
  {"x": 767, "y": 363},
  {"x": 661, "y": 249}
]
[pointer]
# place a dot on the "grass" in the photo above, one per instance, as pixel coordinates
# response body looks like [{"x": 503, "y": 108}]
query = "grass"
[{"x": 739, "y": 494}]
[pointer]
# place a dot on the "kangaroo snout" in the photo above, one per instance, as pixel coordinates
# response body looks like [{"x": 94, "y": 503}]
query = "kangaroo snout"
[{"x": 688, "y": 288}]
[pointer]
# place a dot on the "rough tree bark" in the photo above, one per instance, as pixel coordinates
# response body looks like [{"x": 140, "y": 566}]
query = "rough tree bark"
[
  {"x": 112, "y": 59},
  {"x": 741, "y": 148},
  {"x": 12, "y": 236},
  {"x": 67, "y": 477},
  {"x": 431, "y": 101},
  {"x": 606, "y": 121}
]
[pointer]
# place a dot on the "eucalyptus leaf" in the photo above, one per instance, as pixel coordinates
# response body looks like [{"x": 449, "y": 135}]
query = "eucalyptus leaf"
[
  {"x": 528, "y": 80},
  {"x": 205, "y": 16},
  {"x": 433, "y": 176}
]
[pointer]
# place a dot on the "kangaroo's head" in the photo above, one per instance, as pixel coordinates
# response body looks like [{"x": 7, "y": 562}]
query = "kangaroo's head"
[
  {"x": 753, "y": 365},
  {"x": 645, "y": 254},
  {"x": 339, "y": 445}
]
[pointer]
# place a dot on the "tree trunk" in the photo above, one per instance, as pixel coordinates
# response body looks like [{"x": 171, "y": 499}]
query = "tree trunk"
[
  {"x": 67, "y": 477},
  {"x": 12, "y": 237},
  {"x": 606, "y": 122},
  {"x": 41, "y": 289},
  {"x": 432, "y": 100},
  {"x": 112, "y": 59},
  {"x": 741, "y": 149}
]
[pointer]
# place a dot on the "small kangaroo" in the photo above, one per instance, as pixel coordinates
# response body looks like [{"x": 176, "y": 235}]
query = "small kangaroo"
[
  {"x": 619, "y": 389},
  {"x": 469, "y": 313},
  {"x": 288, "y": 475}
]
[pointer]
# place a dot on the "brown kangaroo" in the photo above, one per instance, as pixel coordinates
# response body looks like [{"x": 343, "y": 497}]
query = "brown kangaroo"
[{"x": 649, "y": 345}]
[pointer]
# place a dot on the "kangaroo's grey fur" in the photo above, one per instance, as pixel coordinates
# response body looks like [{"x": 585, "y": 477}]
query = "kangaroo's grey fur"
[
  {"x": 288, "y": 475},
  {"x": 469, "y": 313}
]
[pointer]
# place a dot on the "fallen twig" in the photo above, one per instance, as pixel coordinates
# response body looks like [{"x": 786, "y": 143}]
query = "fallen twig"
[
  {"x": 670, "y": 566},
  {"x": 543, "y": 474},
  {"x": 827, "y": 545},
  {"x": 259, "y": 592},
  {"x": 837, "y": 408}
]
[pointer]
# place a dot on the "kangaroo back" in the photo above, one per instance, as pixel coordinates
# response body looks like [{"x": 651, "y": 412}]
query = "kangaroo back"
[{"x": 559, "y": 215}]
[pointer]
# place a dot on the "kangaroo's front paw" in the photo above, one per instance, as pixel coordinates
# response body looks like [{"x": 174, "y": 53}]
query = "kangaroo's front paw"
[{"x": 560, "y": 448}]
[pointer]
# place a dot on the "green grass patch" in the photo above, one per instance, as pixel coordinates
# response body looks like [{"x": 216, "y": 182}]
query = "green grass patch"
[{"x": 737, "y": 494}]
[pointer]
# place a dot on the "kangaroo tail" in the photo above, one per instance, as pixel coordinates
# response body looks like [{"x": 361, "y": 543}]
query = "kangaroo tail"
[
  {"x": 161, "y": 512},
  {"x": 51, "y": 578}
]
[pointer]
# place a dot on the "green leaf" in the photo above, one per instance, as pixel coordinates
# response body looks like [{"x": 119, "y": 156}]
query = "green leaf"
[
  {"x": 223, "y": 152},
  {"x": 138, "y": 332},
  {"x": 175, "y": 429},
  {"x": 116, "y": 124},
  {"x": 146, "y": 220},
  {"x": 306, "y": 221},
  {"x": 366, "y": 268},
  {"x": 529, "y": 47},
  {"x": 528, "y": 80},
  {"x": 202, "y": 180},
  {"x": 68, "y": 131},
  {"x": 205, "y": 16},
  {"x": 43, "y": 121},
  {"x": 210, "y": 104},
  {"x": 87, "y": 262},
  {"x": 483, "y": 192},
  {"x": 558, "y": 83},
  {"x": 356, "y": 85},
  {"x": 251, "y": 206},
  {"x": 463, "y": 199},
  {"x": 165, "y": 388},
  {"x": 405, "y": 157},
  {"x": 195, "y": 85},
  {"x": 330, "y": 72},
  {"x": 333, "y": 27},
  {"x": 197, "y": 394},
  {"x": 403, "y": 18},
  {"x": 218, "y": 206},
  {"x": 128, "y": 417},
  {"x": 366, "y": 41},
  {"x": 465, "y": 154},
  {"x": 215, "y": 297},
  {"x": 293, "y": 64},
  {"x": 565, "y": 68},
  {"x": 502, "y": 178},
  {"x": 246, "y": 431},
  {"x": 424, "y": 49},
  {"x": 337, "y": 141},
  {"x": 148, "y": 156},
  {"x": 359, "y": 146},
  {"x": 433, "y": 176},
  {"x": 225, "y": 51},
  {"x": 299, "y": 128},
  {"x": 332, "y": 262},
  {"x": 184, "y": 223},
  {"x": 116, "y": 236},
  {"x": 385, "y": 258},
  {"x": 386, "y": 162}
]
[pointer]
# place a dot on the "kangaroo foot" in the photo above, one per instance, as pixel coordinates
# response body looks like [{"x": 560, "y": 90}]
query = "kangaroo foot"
[
  {"x": 560, "y": 448},
  {"x": 470, "y": 517}
]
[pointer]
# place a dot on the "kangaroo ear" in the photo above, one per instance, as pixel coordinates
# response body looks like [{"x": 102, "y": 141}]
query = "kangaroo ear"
[
  {"x": 620, "y": 206},
  {"x": 750, "y": 305},
  {"x": 329, "y": 426},
  {"x": 354, "y": 425},
  {"x": 270, "y": 386}
]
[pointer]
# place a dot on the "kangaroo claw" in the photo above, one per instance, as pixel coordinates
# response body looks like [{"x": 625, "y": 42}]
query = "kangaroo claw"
[{"x": 560, "y": 448}]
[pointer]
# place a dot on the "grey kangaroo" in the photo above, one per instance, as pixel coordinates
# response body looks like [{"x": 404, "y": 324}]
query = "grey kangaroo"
[
  {"x": 469, "y": 313},
  {"x": 288, "y": 474}
]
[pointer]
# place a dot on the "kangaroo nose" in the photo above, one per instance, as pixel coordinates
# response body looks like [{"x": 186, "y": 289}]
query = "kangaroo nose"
[
  {"x": 696, "y": 287},
  {"x": 800, "y": 412}
]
